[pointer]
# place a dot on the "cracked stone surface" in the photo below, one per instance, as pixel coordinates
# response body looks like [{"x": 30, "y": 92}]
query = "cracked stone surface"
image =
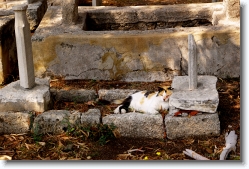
[
  {"x": 15, "y": 122},
  {"x": 137, "y": 124}
]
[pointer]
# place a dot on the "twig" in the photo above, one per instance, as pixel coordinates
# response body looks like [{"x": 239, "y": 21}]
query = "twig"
[
  {"x": 194, "y": 155},
  {"x": 130, "y": 151}
]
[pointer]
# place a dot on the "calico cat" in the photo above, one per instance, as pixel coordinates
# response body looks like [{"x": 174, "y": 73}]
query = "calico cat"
[{"x": 146, "y": 102}]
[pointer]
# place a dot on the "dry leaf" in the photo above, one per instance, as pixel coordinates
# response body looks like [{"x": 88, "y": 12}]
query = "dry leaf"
[
  {"x": 116, "y": 133},
  {"x": 209, "y": 150},
  {"x": 204, "y": 143},
  {"x": 60, "y": 145},
  {"x": 90, "y": 103},
  {"x": 42, "y": 143},
  {"x": 124, "y": 156},
  {"x": 5, "y": 157}
]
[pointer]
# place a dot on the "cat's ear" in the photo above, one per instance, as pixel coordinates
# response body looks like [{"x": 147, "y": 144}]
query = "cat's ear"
[{"x": 160, "y": 89}]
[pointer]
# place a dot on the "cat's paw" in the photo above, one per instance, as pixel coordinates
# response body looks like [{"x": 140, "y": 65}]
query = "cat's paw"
[
  {"x": 154, "y": 112},
  {"x": 116, "y": 111},
  {"x": 123, "y": 111}
]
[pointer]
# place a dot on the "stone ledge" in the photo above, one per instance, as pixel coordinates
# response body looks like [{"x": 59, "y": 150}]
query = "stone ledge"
[
  {"x": 180, "y": 127},
  {"x": 137, "y": 125},
  {"x": 114, "y": 94},
  {"x": 78, "y": 95},
  {"x": 15, "y": 122}
]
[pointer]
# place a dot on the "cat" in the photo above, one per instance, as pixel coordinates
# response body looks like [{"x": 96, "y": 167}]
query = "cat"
[{"x": 146, "y": 102}]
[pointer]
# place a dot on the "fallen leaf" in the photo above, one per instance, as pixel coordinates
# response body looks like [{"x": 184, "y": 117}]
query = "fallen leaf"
[
  {"x": 209, "y": 150},
  {"x": 42, "y": 143},
  {"x": 60, "y": 145},
  {"x": 5, "y": 157}
]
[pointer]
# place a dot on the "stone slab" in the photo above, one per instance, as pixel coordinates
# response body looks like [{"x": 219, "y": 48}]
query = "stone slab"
[
  {"x": 137, "y": 125},
  {"x": 114, "y": 94},
  {"x": 15, "y": 122},
  {"x": 200, "y": 125},
  {"x": 205, "y": 98},
  {"x": 91, "y": 117},
  {"x": 15, "y": 98},
  {"x": 59, "y": 121},
  {"x": 80, "y": 95},
  {"x": 53, "y": 121}
]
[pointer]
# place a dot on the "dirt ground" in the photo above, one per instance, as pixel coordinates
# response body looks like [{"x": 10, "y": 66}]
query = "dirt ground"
[{"x": 84, "y": 144}]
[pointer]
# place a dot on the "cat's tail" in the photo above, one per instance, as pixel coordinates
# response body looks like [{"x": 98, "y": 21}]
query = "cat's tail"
[{"x": 120, "y": 101}]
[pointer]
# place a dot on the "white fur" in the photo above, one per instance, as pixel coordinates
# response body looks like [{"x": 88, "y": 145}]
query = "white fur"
[{"x": 150, "y": 105}]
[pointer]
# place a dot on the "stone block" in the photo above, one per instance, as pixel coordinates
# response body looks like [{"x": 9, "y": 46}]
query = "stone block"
[
  {"x": 15, "y": 98},
  {"x": 114, "y": 94},
  {"x": 79, "y": 96},
  {"x": 205, "y": 98},
  {"x": 91, "y": 117},
  {"x": 200, "y": 125},
  {"x": 15, "y": 122},
  {"x": 70, "y": 11},
  {"x": 59, "y": 121},
  {"x": 53, "y": 121},
  {"x": 137, "y": 125},
  {"x": 35, "y": 13}
]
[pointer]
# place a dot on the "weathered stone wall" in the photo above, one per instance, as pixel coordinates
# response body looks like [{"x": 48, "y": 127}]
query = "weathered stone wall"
[
  {"x": 8, "y": 54},
  {"x": 132, "y": 55}
]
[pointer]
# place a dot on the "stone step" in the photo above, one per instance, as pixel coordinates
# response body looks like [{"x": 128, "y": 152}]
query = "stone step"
[
  {"x": 59, "y": 121},
  {"x": 201, "y": 125},
  {"x": 15, "y": 122},
  {"x": 132, "y": 124},
  {"x": 137, "y": 125}
]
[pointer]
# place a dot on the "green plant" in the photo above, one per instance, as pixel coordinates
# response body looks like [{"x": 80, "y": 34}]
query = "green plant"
[
  {"x": 37, "y": 136},
  {"x": 102, "y": 133}
]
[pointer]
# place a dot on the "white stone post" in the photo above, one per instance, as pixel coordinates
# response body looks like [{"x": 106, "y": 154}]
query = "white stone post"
[
  {"x": 96, "y": 2},
  {"x": 192, "y": 63},
  {"x": 24, "y": 47}
]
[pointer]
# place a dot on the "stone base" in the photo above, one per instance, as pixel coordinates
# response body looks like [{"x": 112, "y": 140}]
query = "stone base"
[
  {"x": 205, "y": 98},
  {"x": 15, "y": 122},
  {"x": 201, "y": 125},
  {"x": 137, "y": 125},
  {"x": 15, "y": 98}
]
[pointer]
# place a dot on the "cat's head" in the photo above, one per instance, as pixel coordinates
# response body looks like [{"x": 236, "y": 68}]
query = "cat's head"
[{"x": 165, "y": 92}]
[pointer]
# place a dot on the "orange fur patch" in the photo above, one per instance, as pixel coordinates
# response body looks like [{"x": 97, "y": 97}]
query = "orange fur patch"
[{"x": 142, "y": 100}]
